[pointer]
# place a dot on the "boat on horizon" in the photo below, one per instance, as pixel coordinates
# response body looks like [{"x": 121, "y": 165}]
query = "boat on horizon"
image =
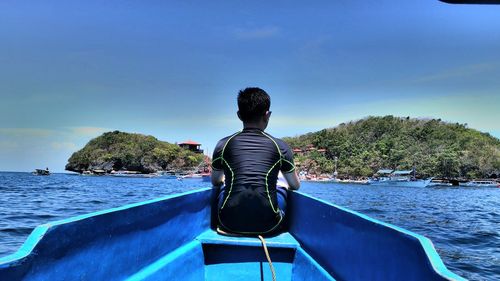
[
  {"x": 202, "y": 176},
  {"x": 441, "y": 183},
  {"x": 175, "y": 237},
  {"x": 41, "y": 172},
  {"x": 480, "y": 183},
  {"x": 388, "y": 177},
  {"x": 351, "y": 181},
  {"x": 132, "y": 174}
]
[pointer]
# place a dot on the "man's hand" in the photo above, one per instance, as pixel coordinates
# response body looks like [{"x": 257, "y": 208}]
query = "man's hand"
[{"x": 217, "y": 177}]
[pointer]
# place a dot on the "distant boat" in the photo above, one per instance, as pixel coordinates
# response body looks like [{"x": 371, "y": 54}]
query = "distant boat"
[
  {"x": 41, "y": 172},
  {"x": 336, "y": 180},
  {"x": 132, "y": 174},
  {"x": 203, "y": 176},
  {"x": 351, "y": 181},
  {"x": 191, "y": 176},
  {"x": 167, "y": 174},
  {"x": 398, "y": 178},
  {"x": 440, "y": 183},
  {"x": 93, "y": 173},
  {"x": 481, "y": 183}
]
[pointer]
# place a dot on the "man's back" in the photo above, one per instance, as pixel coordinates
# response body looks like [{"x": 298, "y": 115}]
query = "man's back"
[{"x": 251, "y": 160}]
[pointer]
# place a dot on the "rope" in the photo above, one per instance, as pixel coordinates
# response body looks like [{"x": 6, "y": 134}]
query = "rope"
[
  {"x": 222, "y": 232},
  {"x": 268, "y": 257}
]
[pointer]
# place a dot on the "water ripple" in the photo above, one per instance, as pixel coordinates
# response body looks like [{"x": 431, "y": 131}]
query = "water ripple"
[{"x": 17, "y": 230}]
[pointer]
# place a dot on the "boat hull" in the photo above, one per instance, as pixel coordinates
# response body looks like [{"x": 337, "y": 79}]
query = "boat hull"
[
  {"x": 473, "y": 184},
  {"x": 173, "y": 238},
  {"x": 40, "y": 172},
  {"x": 404, "y": 183}
]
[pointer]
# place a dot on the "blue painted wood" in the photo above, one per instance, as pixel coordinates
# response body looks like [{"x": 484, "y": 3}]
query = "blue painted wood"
[
  {"x": 112, "y": 244},
  {"x": 170, "y": 237},
  {"x": 352, "y": 246},
  {"x": 186, "y": 261},
  {"x": 305, "y": 268},
  {"x": 235, "y": 262},
  {"x": 283, "y": 240}
]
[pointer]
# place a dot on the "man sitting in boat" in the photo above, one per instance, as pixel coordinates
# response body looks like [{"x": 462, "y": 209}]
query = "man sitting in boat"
[{"x": 246, "y": 166}]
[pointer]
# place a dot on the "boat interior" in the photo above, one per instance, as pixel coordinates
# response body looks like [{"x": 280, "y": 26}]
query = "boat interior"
[{"x": 212, "y": 256}]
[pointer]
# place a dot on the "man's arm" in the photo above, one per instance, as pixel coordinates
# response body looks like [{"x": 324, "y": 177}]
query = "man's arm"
[
  {"x": 292, "y": 179},
  {"x": 217, "y": 177},
  {"x": 288, "y": 167}
]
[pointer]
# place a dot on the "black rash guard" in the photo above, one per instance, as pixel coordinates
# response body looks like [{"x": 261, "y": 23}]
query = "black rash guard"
[{"x": 251, "y": 160}]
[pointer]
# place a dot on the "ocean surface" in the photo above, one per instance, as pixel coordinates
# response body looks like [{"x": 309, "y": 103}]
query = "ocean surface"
[{"x": 463, "y": 223}]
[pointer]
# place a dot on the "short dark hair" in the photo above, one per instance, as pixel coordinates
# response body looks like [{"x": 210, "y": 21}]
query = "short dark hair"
[{"x": 253, "y": 103}]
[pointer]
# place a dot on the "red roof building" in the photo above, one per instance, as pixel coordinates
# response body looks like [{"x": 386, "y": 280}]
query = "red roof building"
[
  {"x": 191, "y": 145},
  {"x": 189, "y": 142}
]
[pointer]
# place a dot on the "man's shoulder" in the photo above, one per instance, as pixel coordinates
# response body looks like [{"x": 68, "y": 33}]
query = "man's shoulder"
[{"x": 224, "y": 140}]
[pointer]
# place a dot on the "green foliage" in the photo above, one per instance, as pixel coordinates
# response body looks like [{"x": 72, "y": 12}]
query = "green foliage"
[
  {"x": 134, "y": 152},
  {"x": 436, "y": 148}
]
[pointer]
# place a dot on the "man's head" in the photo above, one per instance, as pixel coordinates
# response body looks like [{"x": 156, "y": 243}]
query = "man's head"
[{"x": 253, "y": 105}]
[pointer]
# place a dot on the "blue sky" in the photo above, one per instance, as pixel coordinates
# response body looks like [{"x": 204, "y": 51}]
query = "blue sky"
[{"x": 70, "y": 70}]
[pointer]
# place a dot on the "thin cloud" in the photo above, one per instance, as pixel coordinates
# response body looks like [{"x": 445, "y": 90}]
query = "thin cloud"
[
  {"x": 190, "y": 121},
  {"x": 256, "y": 33},
  {"x": 8, "y": 145},
  {"x": 88, "y": 131},
  {"x": 64, "y": 146},
  {"x": 459, "y": 72},
  {"x": 293, "y": 121},
  {"x": 315, "y": 47},
  {"x": 40, "y": 132},
  {"x": 26, "y": 132}
]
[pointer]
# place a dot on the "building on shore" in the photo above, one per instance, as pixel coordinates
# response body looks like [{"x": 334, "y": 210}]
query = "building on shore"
[
  {"x": 191, "y": 145},
  {"x": 298, "y": 151},
  {"x": 308, "y": 149}
]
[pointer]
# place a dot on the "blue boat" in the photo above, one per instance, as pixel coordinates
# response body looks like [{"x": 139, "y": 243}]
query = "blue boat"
[{"x": 173, "y": 238}]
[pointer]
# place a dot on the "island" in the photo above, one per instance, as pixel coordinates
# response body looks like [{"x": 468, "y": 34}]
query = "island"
[
  {"x": 131, "y": 152},
  {"x": 432, "y": 147}
]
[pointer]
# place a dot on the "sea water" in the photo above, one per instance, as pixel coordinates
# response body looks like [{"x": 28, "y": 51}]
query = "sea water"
[{"x": 463, "y": 223}]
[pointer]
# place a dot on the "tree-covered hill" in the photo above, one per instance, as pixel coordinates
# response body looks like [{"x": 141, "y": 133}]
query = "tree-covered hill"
[
  {"x": 436, "y": 148},
  {"x": 133, "y": 152}
]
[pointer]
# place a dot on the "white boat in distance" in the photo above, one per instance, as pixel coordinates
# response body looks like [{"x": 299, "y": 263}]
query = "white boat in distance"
[
  {"x": 481, "y": 183},
  {"x": 41, "y": 172},
  {"x": 398, "y": 178}
]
